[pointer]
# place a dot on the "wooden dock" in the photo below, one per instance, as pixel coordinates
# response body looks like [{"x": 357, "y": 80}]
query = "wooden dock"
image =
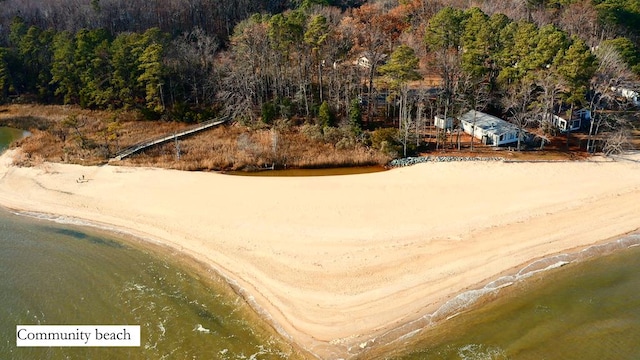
[{"x": 165, "y": 138}]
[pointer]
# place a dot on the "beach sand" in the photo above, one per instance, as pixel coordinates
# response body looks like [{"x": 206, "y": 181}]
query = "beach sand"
[{"x": 336, "y": 262}]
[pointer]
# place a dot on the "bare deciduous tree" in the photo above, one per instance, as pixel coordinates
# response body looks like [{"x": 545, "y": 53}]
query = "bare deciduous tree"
[
  {"x": 611, "y": 75},
  {"x": 517, "y": 101},
  {"x": 617, "y": 142},
  {"x": 551, "y": 85},
  {"x": 475, "y": 95}
]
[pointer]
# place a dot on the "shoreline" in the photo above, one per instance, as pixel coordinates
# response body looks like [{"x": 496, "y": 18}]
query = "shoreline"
[
  {"x": 349, "y": 267},
  {"x": 475, "y": 298},
  {"x": 189, "y": 263},
  {"x": 471, "y": 299}
]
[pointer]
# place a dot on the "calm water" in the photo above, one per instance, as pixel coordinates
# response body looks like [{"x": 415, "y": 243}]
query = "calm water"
[
  {"x": 312, "y": 172},
  {"x": 8, "y": 135},
  {"x": 588, "y": 311},
  {"x": 57, "y": 274}
]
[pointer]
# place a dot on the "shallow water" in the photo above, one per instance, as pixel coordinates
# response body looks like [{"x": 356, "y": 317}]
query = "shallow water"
[
  {"x": 312, "y": 172},
  {"x": 589, "y": 310},
  {"x": 64, "y": 275},
  {"x": 9, "y": 135}
]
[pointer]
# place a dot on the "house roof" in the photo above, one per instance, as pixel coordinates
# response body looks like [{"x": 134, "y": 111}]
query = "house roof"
[{"x": 488, "y": 123}]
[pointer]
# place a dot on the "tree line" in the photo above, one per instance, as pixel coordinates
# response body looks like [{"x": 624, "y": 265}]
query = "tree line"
[{"x": 293, "y": 63}]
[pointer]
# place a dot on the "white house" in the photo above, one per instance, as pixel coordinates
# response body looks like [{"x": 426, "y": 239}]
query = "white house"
[
  {"x": 440, "y": 122},
  {"x": 630, "y": 95},
  {"x": 489, "y": 129},
  {"x": 364, "y": 60},
  {"x": 579, "y": 119}
]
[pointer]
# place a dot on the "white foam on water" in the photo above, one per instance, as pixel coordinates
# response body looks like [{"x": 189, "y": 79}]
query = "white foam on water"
[
  {"x": 201, "y": 329},
  {"x": 448, "y": 310},
  {"x": 501, "y": 282},
  {"x": 162, "y": 329},
  {"x": 464, "y": 300},
  {"x": 69, "y": 220},
  {"x": 480, "y": 352}
]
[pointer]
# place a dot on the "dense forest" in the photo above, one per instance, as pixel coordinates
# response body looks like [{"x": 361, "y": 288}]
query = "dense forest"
[{"x": 189, "y": 60}]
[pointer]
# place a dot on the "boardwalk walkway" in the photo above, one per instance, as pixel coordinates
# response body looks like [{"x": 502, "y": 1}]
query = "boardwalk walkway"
[{"x": 165, "y": 138}]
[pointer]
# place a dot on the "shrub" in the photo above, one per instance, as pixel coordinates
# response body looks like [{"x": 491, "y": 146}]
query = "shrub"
[
  {"x": 325, "y": 117},
  {"x": 269, "y": 112},
  {"x": 386, "y": 140},
  {"x": 346, "y": 143},
  {"x": 355, "y": 117},
  {"x": 332, "y": 135},
  {"x": 312, "y": 132}
]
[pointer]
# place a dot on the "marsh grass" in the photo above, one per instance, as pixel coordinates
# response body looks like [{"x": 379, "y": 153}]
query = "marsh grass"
[
  {"x": 69, "y": 134},
  {"x": 74, "y": 135},
  {"x": 238, "y": 147}
]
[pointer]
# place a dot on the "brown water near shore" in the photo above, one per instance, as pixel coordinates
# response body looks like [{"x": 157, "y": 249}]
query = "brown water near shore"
[
  {"x": 9, "y": 135},
  {"x": 311, "y": 172}
]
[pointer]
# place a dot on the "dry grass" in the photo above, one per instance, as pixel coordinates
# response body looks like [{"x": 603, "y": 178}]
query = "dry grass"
[
  {"x": 237, "y": 147},
  {"x": 224, "y": 148},
  {"x": 97, "y": 135},
  {"x": 229, "y": 147}
]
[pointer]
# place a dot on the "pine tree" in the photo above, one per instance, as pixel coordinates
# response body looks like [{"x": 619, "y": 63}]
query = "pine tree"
[
  {"x": 151, "y": 77},
  {"x": 64, "y": 75}
]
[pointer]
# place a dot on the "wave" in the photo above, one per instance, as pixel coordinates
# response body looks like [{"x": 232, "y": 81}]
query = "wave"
[
  {"x": 69, "y": 220},
  {"x": 465, "y": 300},
  {"x": 235, "y": 286},
  {"x": 446, "y": 311}
]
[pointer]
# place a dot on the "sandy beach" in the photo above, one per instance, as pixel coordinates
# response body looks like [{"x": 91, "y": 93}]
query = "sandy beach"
[{"x": 336, "y": 262}]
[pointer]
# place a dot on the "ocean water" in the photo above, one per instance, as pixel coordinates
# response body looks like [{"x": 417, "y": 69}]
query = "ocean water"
[
  {"x": 55, "y": 274},
  {"x": 587, "y": 309}
]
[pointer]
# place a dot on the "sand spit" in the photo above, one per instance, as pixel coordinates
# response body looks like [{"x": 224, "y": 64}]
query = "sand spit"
[{"x": 336, "y": 262}]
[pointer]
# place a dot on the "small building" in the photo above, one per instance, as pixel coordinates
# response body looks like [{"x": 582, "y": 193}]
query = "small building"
[
  {"x": 628, "y": 94},
  {"x": 441, "y": 123},
  {"x": 365, "y": 60},
  {"x": 579, "y": 119},
  {"x": 489, "y": 129}
]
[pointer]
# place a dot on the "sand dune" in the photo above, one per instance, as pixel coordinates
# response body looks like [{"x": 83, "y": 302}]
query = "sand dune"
[{"x": 336, "y": 262}]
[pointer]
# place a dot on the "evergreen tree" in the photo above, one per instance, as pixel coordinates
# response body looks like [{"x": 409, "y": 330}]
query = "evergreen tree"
[
  {"x": 315, "y": 36},
  {"x": 355, "y": 117},
  {"x": 628, "y": 50},
  {"x": 445, "y": 30},
  {"x": 64, "y": 74},
  {"x": 400, "y": 69},
  {"x": 126, "y": 51},
  {"x": 93, "y": 66},
  {"x": 551, "y": 42},
  {"x": 577, "y": 66},
  {"x": 5, "y": 75},
  {"x": 477, "y": 39},
  {"x": 152, "y": 75},
  {"x": 325, "y": 117}
]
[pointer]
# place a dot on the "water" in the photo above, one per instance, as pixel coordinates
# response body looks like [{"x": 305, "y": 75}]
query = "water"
[
  {"x": 354, "y": 170},
  {"x": 589, "y": 310},
  {"x": 63, "y": 275},
  {"x": 9, "y": 135},
  {"x": 57, "y": 274}
]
